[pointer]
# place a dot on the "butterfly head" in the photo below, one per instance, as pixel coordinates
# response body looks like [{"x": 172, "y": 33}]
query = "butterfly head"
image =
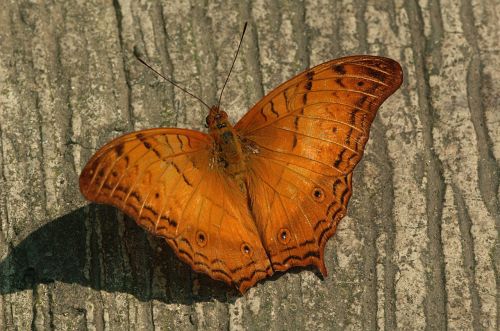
[{"x": 217, "y": 119}]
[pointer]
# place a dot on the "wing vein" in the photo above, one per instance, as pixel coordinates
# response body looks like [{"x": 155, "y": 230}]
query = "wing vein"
[
  {"x": 164, "y": 204},
  {"x": 331, "y": 120},
  {"x": 294, "y": 111},
  {"x": 317, "y": 138},
  {"x": 281, "y": 201},
  {"x": 152, "y": 187},
  {"x": 302, "y": 157},
  {"x": 111, "y": 169},
  {"x": 358, "y": 63},
  {"x": 350, "y": 76},
  {"x": 338, "y": 90},
  {"x": 189, "y": 200},
  {"x": 285, "y": 165}
]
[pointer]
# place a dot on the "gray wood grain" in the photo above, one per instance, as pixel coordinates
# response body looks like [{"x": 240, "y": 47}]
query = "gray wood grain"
[{"x": 419, "y": 247}]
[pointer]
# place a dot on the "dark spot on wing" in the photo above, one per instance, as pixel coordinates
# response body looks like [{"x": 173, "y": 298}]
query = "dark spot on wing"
[
  {"x": 309, "y": 85},
  {"x": 339, "y": 158},
  {"x": 335, "y": 214},
  {"x": 348, "y": 138},
  {"x": 361, "y": 101},
  {"x": 180, "y": 142},
  {"x": 184, "y": 240},
  {"x": 136, "y": 196},
  {"x": 263, "y": 115},
  {"x": 317, "y": 225},
  {"x": 119, "y": 150},
  {"x": 375, "y": 73},
  {"x": 342, "y": 196},
  {"x": 176, "y": 167},
  {"x": 337, "y": 182},
  {"x": 186, "y": 180},
  {"x": 154, "y": 212},
  {"x": 274, "y": 111},
  {"x": 339, "y": 68}
]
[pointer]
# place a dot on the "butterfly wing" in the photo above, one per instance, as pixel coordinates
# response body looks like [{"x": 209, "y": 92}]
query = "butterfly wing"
[
  {"x": 164, "y": 180},
  {"x": 304, "y": 140}
]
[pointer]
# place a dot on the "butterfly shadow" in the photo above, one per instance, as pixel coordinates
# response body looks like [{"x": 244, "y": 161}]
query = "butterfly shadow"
[{"x": 97, "y": 247}]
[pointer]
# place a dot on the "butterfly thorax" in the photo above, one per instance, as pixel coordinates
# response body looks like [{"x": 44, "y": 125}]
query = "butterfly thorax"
[{"x": 228, "y": 152}]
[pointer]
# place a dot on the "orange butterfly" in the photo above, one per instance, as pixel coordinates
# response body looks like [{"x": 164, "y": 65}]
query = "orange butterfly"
[{"x": 265, "y": 195}]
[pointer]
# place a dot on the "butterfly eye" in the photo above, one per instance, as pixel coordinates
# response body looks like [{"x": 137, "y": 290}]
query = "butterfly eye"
[
  {"x": 246, "y": 249},
  {"x": 201, "y": 238},
  {"x": 284, "y": 236},
  {"x": 318, "y": 194}
]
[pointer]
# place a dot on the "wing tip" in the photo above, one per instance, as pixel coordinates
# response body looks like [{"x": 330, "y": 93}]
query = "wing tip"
[
  {"x": 385, "y": 63},
  {"x": 397, "y": 72}
]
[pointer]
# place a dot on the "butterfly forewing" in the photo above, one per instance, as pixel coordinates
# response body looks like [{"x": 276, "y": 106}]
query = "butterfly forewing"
[
  {"x": 310, "y": 133},
  {"x": 163, "y": 179}
]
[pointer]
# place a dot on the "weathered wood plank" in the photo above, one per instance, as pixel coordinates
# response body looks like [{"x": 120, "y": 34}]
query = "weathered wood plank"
[{"x": 419, "y": 247}]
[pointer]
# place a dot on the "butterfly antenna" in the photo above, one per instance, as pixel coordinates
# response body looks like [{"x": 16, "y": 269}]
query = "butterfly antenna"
[
  {"x": 234, "y": 60},
  {"x": 171, "y": 82}
]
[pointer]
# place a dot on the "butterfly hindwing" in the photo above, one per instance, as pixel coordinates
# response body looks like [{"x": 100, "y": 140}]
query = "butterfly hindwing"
[
  {"x": 163, "y": 179},
  {"x": 297, "y": 211},
  {"x": 306, "y": 137}
]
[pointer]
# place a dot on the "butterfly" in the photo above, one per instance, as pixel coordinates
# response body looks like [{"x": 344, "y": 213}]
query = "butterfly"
[{"x": 264, "y": 195}]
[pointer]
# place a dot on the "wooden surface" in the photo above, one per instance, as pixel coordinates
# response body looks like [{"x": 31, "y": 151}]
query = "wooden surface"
[{"x": 419, "y": 247}]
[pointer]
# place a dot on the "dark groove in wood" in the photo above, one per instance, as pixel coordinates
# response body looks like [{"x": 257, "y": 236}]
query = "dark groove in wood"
[
  {"x": 467, "y": 241},
  {"x": 435, "y": 303}
]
